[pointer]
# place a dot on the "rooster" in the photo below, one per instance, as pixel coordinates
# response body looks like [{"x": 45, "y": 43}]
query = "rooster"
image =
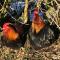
[
  {"x": 37, "y": 23},
  {"x": 9, "y": 33},
  {"x": 15, "y": 33}
]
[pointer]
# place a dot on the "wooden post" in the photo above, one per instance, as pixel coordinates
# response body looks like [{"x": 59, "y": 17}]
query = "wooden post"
[
  {"x": 25, "y": 11},
  {"x": 38, "y": 3}
]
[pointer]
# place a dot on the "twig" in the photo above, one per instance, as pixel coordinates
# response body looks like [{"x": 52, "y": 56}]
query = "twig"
[
  {"x": 55, "y": 22},
  {"x": 25, "y": 11}
]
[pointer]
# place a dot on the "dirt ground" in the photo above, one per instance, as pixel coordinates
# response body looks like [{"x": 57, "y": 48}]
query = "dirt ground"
[{"x": 27, "y": 52}]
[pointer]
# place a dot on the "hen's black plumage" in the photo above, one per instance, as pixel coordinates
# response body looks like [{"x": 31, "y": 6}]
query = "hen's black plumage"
[{"x": 56, "y": 32}]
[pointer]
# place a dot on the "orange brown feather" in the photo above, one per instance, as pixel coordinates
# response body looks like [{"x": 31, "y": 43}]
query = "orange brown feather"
[
  {"x": 37, "y": 23},
  {"x": 9, "y": 32}
]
